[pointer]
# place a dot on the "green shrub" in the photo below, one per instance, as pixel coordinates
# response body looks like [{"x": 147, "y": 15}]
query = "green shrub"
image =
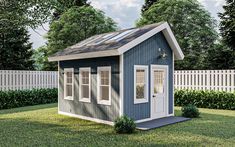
[
  {"x": 124, "y": 124},
  {"x": 190, "y": 111},
  {"x": 205, "y": 99},
  {"x": 20, "y": 98}
]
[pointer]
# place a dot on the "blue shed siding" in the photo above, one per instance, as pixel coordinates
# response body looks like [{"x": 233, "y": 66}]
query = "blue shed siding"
[
  {"x": 93, "y": 110},
  {"x": 145, "y": 53}
]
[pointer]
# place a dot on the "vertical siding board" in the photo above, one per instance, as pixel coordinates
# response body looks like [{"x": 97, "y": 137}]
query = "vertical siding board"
[{"x": 145, "y": 53}]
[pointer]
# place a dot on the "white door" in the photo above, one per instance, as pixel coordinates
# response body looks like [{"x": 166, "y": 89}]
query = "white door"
[{"x": 159, "y": 84}]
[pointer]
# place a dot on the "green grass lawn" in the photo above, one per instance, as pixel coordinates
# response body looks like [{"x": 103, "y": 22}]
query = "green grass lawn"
[{"x": 42, "y": 126}]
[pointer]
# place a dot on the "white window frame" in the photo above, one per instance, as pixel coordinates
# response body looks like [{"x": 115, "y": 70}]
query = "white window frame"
[
  {"x": 81, "y": 99},
  {"x": 99, "y": 69},
  {"x": 146, "y": 92},
  {"x": 65, "y": 83}
]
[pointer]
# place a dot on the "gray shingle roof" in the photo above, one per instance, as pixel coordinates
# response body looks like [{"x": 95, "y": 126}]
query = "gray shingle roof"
[{"x": 86, "y": 46}]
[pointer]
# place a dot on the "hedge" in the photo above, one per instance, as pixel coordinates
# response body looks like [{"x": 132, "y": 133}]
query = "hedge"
[
  {"x": 20, "y": 98},
  {"x": 205, "y": 99}
]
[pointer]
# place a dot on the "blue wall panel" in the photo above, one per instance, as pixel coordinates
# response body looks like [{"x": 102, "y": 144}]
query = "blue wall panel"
[
  {"x": 92, "y": 109},
  {"x": 146, "y": 53}
]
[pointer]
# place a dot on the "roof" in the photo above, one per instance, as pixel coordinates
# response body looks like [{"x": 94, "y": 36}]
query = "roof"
[{"x": 116, "y": 43}]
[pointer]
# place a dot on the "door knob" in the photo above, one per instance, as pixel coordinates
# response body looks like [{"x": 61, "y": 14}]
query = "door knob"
[{"x": 154, "y": 95}]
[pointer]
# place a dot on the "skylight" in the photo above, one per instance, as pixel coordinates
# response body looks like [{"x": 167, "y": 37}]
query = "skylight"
[
  {"x": 87, "y": 41},
  {"x": 123, "y": 35},
  {"x": 102, "y": 39}
]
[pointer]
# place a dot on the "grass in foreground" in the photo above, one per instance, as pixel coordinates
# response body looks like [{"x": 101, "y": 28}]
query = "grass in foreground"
[{"x": 42, "y": 126}]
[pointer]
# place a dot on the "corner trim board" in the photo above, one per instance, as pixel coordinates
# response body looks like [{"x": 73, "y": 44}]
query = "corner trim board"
[
  {"x": 87, "y": 118},
  {"x": 121, "y": 85}
]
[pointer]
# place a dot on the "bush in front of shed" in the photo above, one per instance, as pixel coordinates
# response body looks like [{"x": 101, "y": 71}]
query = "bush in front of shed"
[
  {"x": 124, "y": 124},
  {"x": 190, "y": 111}
]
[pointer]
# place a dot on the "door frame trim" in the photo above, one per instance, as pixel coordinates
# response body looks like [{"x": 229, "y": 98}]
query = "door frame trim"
[{"x": 166, "y": 100}]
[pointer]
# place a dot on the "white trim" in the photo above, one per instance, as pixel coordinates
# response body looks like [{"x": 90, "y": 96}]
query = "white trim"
[
  {"x": 145, "y": 99},
  {"x": 85, "y": 55},
  {"x": 121, "y": 85},
  {"x": 170, "y": 115},
  {"x": 58, "y": 78},
  {"x": 166, "y": 67},
  {"x": 86, "y": 118},
  {"x": 178, "y": 53},
  {"x": 88, "y": 100},
  {"x": 99, "y": 69},
  {"x": 149, "y": 119},
  {"x": 173, "y": 71},
  {"x": 143, "y": 120},
  {"x": 164, "y": 27},
  {"x": 65, "y": 79},
  {"x": 168, "y": 35}
]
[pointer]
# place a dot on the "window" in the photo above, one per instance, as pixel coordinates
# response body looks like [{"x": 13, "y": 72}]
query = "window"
[
  {"x": 68, "y": 83},
  {"x": 140, "y": 84},
  {"x": 104, "y": 85},
  {"x": 85, "y": 84},
  {"x": 122, "y": 35}
]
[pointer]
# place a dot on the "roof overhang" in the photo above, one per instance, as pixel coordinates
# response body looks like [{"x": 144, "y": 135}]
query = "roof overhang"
[
  {"x": 85, "y": 55},
  {"x": 165, "y": 28}
]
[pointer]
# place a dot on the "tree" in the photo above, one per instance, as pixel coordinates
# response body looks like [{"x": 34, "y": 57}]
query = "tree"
[
  {"x": 75, "y": 25},
  {"x": 15, "y": 49},
  {"x": 227, "y": 23},
  {"x": 147, "y": 5},
  {"x": 62, "y": 6},
  {"x": 26, "y": 13},
  {"x": 192, "y": 25},
  {"x": 40, "y": 57},
  {"x": 220, "y": 57}
]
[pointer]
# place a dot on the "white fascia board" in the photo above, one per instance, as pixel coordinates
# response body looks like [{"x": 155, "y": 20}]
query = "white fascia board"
[
  {"x": 168, "y": 35},
  {"x": 85, "y": 55},
  {"x": 173, "y": 43}
]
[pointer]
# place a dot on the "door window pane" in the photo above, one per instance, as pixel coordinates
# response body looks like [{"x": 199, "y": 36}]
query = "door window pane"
[{"x": 158, "y": 81}]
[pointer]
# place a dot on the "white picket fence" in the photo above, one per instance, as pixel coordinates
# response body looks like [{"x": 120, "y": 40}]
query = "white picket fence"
[
  {"x": 222, "y": 80},
  {"x": 19, "y": 79}
]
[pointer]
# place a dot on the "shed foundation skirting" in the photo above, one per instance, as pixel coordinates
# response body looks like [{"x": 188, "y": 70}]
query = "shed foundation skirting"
[
  {"x": 100, "y": 120},
  {"x": 87, "y": 118}
]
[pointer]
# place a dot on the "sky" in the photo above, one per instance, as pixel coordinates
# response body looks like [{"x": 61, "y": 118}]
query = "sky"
[{"x": 124, "y": 12}]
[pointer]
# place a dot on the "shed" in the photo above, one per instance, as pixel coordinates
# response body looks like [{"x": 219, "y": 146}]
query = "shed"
[{"x": 128, "y": 72}]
